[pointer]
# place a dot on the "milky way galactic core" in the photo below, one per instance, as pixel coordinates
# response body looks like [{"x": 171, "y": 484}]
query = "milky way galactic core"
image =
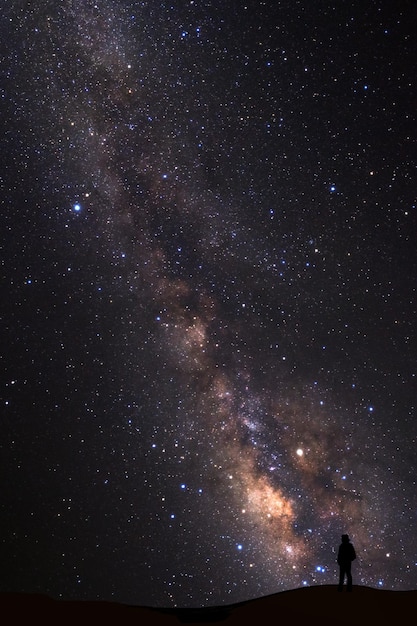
[{"x": 209, "y": 272}]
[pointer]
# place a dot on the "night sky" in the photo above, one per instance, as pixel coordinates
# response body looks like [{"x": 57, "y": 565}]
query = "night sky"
[{"x": 208, "y": 297}]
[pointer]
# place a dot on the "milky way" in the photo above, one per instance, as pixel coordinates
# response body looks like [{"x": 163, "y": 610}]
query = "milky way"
[{"x": 208, "y": 298}]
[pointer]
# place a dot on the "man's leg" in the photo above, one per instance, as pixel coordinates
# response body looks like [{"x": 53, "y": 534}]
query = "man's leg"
[
  {"x": 349, "y": 577},
  {"x": 341, "y": 578}
]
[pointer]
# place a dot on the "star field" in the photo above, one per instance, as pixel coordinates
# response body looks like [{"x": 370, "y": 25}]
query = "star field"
[{"x": 208, "y": 355}]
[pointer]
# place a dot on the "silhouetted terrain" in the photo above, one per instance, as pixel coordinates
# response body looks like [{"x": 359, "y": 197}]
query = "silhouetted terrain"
[{"x": 310, "y": 605}]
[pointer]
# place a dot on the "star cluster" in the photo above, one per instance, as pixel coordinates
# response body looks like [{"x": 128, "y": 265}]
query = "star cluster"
[{"x": 208, "y": 297}]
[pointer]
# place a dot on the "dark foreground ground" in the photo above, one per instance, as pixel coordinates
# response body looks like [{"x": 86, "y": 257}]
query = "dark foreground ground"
[{"x": 320, "y": 605}]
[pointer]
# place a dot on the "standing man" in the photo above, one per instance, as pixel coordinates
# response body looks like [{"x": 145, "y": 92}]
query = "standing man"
[{"x": 345, "y": 556}]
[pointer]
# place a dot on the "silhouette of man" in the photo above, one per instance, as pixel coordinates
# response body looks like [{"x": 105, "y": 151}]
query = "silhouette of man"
[{"x": 345, "y": 556}]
